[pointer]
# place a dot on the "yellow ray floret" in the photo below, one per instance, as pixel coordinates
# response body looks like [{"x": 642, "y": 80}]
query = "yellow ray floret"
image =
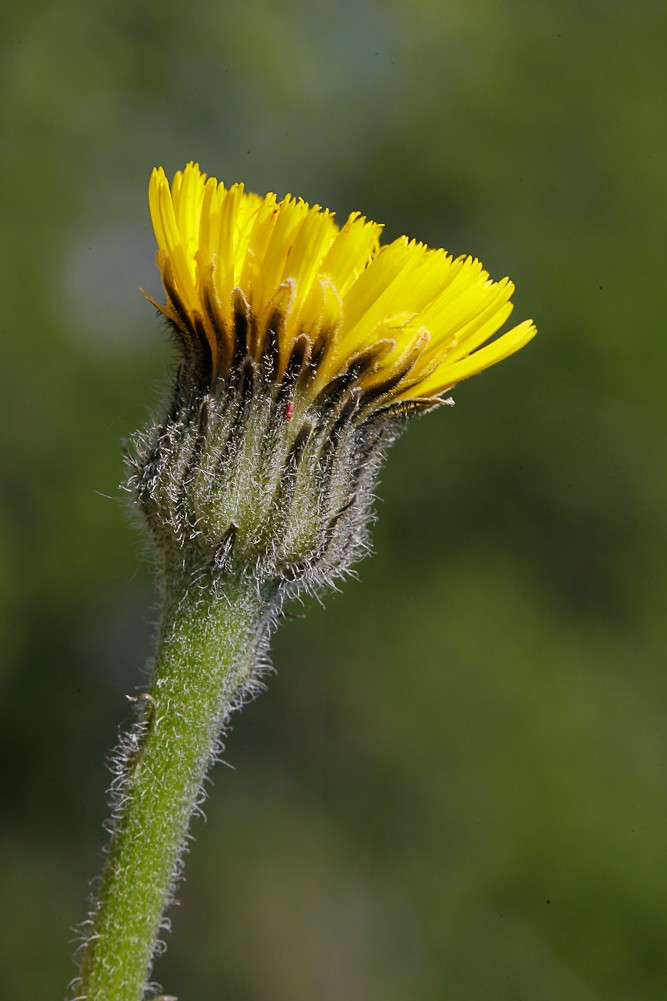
[{"x": 406, "y": 321}]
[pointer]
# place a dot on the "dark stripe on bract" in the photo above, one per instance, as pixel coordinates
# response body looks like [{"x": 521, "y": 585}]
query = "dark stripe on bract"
[
  {"x": 241, "y": 325},
  {"x": 384, "y": 387},
  {"x": 405, "y": 408},
  {"x": 313, "y": 361},
  {"x": 333, "y": 441},
  {"x": 175, "y": 300},
  {"x": 359, "y": 366},
  {"x": 248, "y": 375},
  {"x": 333, "y": 521},
  {"x": 350, "y": 407},
  {"x": 222, "y": 334},
  {"x": 275, "y": 333},
  {"x": 319, "y": 349},
  {"x": 335, "y": 390},
  {"x": 300, "y": 442},
  {"x": 206, "y": 351},
  {"x": 224, "y": 550},
  {"x": 297, "y": 359},
  {"x": 195, "y": 346},
  {"x": 200, "y": 440},
  {"x": 330, "y": 444}
]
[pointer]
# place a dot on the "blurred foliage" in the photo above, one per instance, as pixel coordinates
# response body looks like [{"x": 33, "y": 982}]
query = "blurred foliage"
[{"x": 455, "y": 786}]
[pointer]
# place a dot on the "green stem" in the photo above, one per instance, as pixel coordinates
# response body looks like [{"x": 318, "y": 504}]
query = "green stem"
[{"x": 207, "y": 649}]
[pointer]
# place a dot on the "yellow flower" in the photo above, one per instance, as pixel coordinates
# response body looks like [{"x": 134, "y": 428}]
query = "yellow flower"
[{"x": 279, "y": 282}]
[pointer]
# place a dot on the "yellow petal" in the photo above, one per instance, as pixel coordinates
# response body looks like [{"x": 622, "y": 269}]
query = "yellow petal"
[{"x": 418, "y": 317}]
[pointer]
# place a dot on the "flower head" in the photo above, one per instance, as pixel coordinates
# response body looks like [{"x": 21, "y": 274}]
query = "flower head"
[
  {"x": 280, "y": 283},
  {"x": 304, "y": 345}
]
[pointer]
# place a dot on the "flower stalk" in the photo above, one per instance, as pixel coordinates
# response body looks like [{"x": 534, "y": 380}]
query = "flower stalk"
[{"x": 209, "y": 643}]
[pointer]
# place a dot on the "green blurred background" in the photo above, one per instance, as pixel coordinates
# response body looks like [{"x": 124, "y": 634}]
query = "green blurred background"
[{"x": 455, "y": 788}]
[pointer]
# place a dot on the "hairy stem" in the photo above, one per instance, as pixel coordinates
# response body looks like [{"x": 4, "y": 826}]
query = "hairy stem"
[{"x": 209, "y": 643}]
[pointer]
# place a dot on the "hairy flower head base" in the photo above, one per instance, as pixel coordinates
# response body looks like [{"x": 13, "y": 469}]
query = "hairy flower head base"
[{"x": 302, "y": 345}]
